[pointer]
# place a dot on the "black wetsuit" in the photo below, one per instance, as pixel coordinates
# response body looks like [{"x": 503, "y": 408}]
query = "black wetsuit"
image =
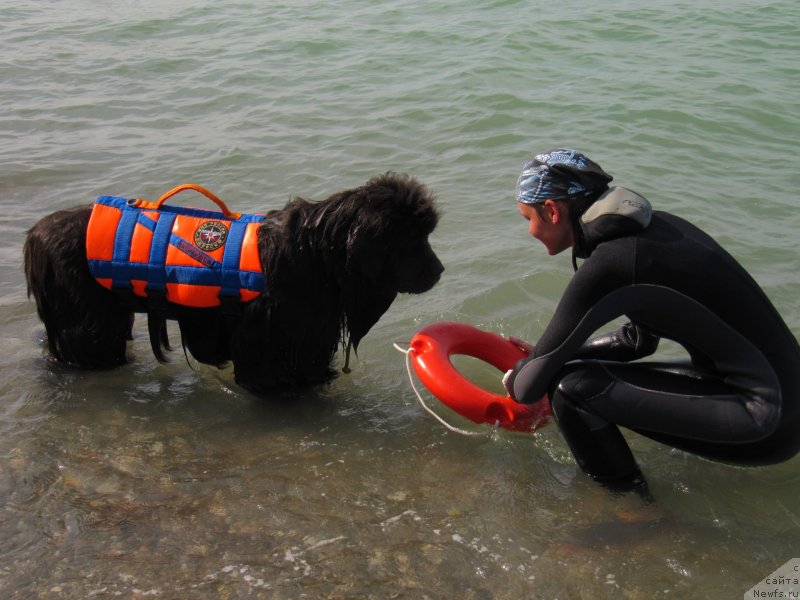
[{"x": 737, "y": 398}]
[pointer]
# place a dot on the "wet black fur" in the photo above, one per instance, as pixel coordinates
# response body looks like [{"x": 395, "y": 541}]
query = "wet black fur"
[{"x": 332, "y": 269}]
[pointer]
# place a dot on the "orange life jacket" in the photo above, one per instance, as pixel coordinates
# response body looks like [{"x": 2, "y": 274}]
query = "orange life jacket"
[{"x": 195, "y": 257}]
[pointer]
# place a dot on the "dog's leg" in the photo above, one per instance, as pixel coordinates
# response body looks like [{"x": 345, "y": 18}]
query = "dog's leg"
[
  {"x": 87, "y": 325},
  {"x": 276, "y": 346}
]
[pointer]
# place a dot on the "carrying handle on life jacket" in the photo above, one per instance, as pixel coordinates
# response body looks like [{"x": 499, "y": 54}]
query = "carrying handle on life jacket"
[{"x": 190, "y": 186}]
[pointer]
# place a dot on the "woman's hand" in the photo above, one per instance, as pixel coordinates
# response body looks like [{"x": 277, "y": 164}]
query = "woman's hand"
[
  {"x": 507, "y": 382},
  {"x": 528, "y": 349}
]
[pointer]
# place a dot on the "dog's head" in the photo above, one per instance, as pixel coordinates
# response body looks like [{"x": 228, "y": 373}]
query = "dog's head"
[
  {"x": 338, "y": 264},
  {"x": 387, "y": 248}
]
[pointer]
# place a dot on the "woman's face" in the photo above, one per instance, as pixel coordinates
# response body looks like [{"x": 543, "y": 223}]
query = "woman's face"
[{"x": 549, "y": 223}]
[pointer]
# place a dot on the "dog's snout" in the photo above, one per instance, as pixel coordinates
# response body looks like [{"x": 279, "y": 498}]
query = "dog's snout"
[{"x": 424, "y": 278}]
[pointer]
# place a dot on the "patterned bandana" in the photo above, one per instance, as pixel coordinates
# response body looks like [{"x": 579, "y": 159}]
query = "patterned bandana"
[{"x": 560, "y": 174}]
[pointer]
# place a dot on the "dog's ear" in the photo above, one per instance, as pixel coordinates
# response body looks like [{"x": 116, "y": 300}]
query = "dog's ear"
[
  {"x": 365, "y": 254},
  {"x": 367, "y": 292}
]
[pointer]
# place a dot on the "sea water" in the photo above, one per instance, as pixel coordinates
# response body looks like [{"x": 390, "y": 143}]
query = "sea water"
[{"x": 170, "y": 481}]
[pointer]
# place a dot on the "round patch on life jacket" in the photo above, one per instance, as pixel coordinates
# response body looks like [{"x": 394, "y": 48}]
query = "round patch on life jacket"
[{"x": 211, "y": 235}]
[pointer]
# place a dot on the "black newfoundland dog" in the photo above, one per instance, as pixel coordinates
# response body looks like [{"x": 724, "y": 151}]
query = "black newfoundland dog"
[{"x": 332, "y": 268}]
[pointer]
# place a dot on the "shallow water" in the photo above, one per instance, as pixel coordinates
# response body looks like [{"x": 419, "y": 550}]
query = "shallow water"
[{"x": 171, "y": 482}]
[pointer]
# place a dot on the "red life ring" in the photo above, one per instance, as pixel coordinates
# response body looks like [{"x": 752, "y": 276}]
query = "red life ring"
[{"x": 430, "y": 351}]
